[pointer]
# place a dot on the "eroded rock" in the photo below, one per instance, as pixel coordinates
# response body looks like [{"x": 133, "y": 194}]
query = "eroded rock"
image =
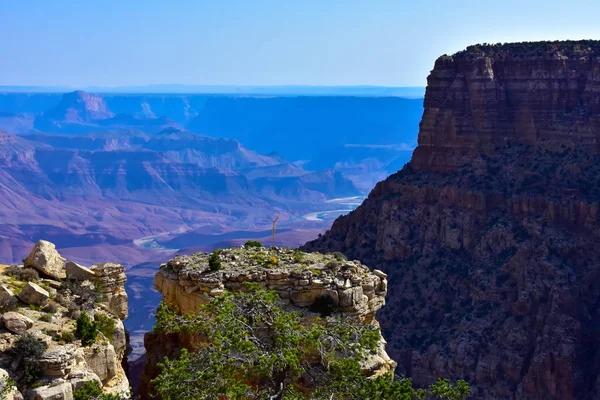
[
  {"x": 45, "y": 258},
  {"x": 34, "y": 294},
  {"x": 78, "y": 272}
]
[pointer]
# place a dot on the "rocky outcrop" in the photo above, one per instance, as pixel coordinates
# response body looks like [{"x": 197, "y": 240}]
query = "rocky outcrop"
[
  {"x": 55, "y": 363},
  {"x": 490, "y": 234},
  {"x": 46, "y": 260},
  {"x": 300, "y": 279},
  {"x": 111, "y": 286}
]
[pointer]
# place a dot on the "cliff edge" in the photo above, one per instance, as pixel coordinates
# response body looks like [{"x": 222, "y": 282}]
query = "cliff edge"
[{"x": 300, "y": 280}]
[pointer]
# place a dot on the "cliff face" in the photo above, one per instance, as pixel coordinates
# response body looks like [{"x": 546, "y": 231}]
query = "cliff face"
[
  {"x": 490, "y": 234},
  {"x": 299, "y": 279},
  {"x": 40, "y": 304},
  {"x": 547, "y": 94}
]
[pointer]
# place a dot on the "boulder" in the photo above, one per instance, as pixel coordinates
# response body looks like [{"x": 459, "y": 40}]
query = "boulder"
[
  {"x": 7, "y": 298},
  {"x": 79, "y": 272},
  {"x": 46, "y": 260},
  {"x": 16, "y": 323},
  {"x": 102, "y": 360},
  {"x": 34, "y": 294},
  {"x": 60, "y": 391}
]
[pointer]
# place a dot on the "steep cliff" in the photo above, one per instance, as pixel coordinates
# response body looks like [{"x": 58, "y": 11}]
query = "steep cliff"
[
  {"x": 299, "y": 279},
  {"x": 43, "y": 348},
  {"x": 490, "y": 234}
]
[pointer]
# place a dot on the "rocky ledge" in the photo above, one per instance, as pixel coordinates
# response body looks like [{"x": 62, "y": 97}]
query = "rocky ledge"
[
  {"x": 299, "y": 278},
  {"x": 42, "y": 352}
]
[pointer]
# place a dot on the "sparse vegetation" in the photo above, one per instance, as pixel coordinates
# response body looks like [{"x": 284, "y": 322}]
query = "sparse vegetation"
[
  {"x": 27, "y": 349},
  {"x": 22, "y": 274},
  {"x": 47, "y": 317},
  {"x": 241, "y": 363},
  {"x": 86, "y": 329},
  {"x": 214, "y": 263},
  {"x": 91, "y": 391},
  {"x": 106, "y": 325},
  {"x": 67, "y": 337}
]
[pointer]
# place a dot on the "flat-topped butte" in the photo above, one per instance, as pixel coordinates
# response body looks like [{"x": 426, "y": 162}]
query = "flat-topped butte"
[
  {"x": 299, "y": 278},
  {"x": 572, "y": 49}
]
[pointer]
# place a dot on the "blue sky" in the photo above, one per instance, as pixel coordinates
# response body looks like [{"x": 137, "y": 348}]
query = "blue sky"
[{"x": 263, "y": 42}]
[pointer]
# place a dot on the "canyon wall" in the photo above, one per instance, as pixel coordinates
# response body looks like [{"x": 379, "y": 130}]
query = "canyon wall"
[{"x": 490, "y": 234}]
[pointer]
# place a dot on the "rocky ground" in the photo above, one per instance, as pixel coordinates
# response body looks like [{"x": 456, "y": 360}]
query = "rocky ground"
[{"x": 42, "y": 355}]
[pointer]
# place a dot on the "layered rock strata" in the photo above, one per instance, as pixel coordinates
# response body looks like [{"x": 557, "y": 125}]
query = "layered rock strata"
[
  {"x": 300, "y": 279},
  {"x": 45, "y": 311},
  {"x": 490, "y": 235}
]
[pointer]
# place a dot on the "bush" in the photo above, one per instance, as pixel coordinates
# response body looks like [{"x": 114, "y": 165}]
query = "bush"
[
  {"x": 214, "y": 263},
  {"x": 91, "y": 391},
  {"x": 22, "y": 274},
  {"x": 253, "y": 243},
  {"x": 66, "y": 337},
  {"x": 28, "y": 347},
  {"x": 106, "y": 325},
  {"x": 86, "y": 330},
  {"x": 339, "y": 256},
  {"x": 46, "y": 317}
]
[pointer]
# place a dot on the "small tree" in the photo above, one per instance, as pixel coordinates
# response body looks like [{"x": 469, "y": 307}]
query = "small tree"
[
  {"x": 86, "y": 330},
  {"x": 214, "y": 263},
  {"x": 258, "y": 350}
]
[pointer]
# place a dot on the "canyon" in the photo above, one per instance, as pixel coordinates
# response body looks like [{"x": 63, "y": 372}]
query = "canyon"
[{"x": 490, "y": 234}]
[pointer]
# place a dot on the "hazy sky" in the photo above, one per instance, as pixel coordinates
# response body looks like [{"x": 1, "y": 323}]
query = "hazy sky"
[{"x": 264, "y": 42}]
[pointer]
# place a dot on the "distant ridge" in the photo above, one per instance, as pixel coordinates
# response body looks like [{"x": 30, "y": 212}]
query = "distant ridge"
[{"x": 285, "y": 90}]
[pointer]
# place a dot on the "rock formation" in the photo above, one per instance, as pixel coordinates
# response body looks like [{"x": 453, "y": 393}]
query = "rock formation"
[
  {"x": 43, "y": 314},
  {"x": 299, "y": 279},
  {"x": 490, "y": 234}
]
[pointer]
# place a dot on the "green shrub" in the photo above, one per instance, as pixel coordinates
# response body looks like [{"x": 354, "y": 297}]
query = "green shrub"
[
  {"x": 67, "y": 337},
  {"x": 28, "y": 346},
  {"x": 91, "y": 391},
  {"x": 232, "y": 323},
  {"x": 253, "y": 243},
  {"x": 46, "y": 317},
  {"x": 106, "y": 325},
  {"x": 298, "y": 256},
  {"x": 86, "y": 330},
  {"x": 22, "y": 274},
  {"x": 214, "y": 263},
  {"x": 339, "y": 256}
]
